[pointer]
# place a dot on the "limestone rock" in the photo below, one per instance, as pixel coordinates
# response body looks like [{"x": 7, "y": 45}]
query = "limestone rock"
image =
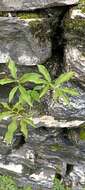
[
  {"x": 47, "y": 152},
  {"x": 76, "y": 178},
  {"x": 27, "y": 42},
  {"x": 75, "y": 42},
  {"x": 72, "y": 112},
  {"x": 49, "y": 121},
  {"x": 7, "y": 5}
]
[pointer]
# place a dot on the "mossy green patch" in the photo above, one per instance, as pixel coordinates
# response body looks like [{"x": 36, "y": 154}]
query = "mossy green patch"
[
  {"x": 3, "y": 14},
  {"x": 76, "y": 25},
  {"x": 39, "y": 29},
  {"x": 29, "y": 15},
  {"x": 23, "y": 15},
  {"x": 56, "y": 147},
  {"x": 81, "y": 6}
]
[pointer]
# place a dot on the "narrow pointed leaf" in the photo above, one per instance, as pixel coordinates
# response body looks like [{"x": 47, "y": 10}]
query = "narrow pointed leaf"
[
  {"x": 35, "y": 95},
  {"x": 66, "y": 99},
  {"x": 57, "y": 93},
  {"x": 8, "y": 137},
  {"x": 6, "y": 81},
  {"x": 30, "y": 122},
  {"x": 12, "y": 93},
  {"x": 21, "y": 100},
  {"x": 18, "y": 106},
  {"x": 5, "y": 105},
  {"x": 25, "y": 95},
  {"x": 12, "y": 68},
  {"x": 44, "y": 91},
  {"x": 32, "y": 77},
  {"x": 42, "y": 69},
  {"x": 38, "y": 87},
  {"x": 64, "y": 78},
  {"x": 12, "y": 127},
  {"x": 24, "y": 128},
  {"x": 71, "y": 91},
  {"x": 3, "y": 115}
]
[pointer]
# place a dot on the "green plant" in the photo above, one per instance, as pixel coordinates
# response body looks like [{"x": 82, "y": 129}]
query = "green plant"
[
  {"x": 7, "y": 183},
  {"x": 16, "y": 113},
  {"x": 58, "y": 185}
]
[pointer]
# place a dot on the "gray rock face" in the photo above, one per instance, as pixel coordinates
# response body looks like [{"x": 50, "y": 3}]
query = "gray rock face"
[
  {"x": 46, "y": 153},
  {"x": 7, "y": 5},
  {"x": 74, "y": 111},
  {"x": 57, "y": 145},
  {"x": 75, "y": 47},
  {"x": 26, "y": 42}
]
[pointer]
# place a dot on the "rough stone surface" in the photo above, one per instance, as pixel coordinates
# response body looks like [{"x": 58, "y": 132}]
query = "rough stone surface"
[
  {"x": 49, "y": 121},
  {"x": 46, "y": 153},
  {"x": 74, "y": 111},
  {"x": 26, "y": 42},
  {"x": 7, "y": 5},
  {"x": 28, "y": 37},
  {"x": 75, "y": 46},
  {"x": 57, "y": 145}
]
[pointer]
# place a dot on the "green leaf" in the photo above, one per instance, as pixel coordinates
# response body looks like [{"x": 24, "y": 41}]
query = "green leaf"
[
  {"x": 30, "y": 122},
  {"x": 57, "y": 93},
  {"x": 66, "y": 99},
  {"x": 12, "y": 127},
  {"x": 24, "y": 128},
  {"x": 32, "y": 77},
  {"x": 57, "y": 185},
  {"x": 3, "y": 115},
  {"x": 25, "y": 95},
  {"x": 12, "y": 93},
  {"x": 42, "y": 69},
  {"x": 18, "y": 106},
  {"x": 21, "y": 100},
  {"x": 70, "y": 91},
  {"x": 82, "y": 134},
  {"x": 28, "y": 188},
  {"x": 12, "y": 68},
  {"x": 38, "y": 87},
  {"x": 35, "y": 95},
  {"x": 6, "y": 81},
  {"x": 44, "y": 91},
  {"x": 5, "y": 105},
  {"x": 64, "y": 78}
]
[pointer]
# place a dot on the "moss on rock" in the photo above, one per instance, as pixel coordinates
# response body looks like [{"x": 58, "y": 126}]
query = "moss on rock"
[
  {"x": 76, "y": 25},
  {"x": 29, "y": 15},
  {"x": 81, "y": 6},
  {"x": 39, "y": 29}
]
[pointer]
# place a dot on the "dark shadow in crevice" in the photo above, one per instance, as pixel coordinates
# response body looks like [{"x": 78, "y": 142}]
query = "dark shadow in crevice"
[
  {"x": 58, "y": 176},
  {"x": 18, "y": 141},
  {"x": 69, "y": 169}
]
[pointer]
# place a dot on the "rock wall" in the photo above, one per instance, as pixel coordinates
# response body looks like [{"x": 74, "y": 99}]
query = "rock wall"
[
  {"x": 75, "y": 47},
  {"x": 7, "y": 5},
  {"x": 49, "y": 32}
]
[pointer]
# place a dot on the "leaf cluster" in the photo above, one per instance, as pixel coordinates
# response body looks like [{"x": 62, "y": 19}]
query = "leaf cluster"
[
  {"x": 7, "y": 183},
  {"x": 57, "y": 185},
  {"x": 42, "y": 84}
]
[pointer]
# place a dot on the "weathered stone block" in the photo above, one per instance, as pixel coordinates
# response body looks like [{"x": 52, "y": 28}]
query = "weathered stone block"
[
  {"x": 75, "y": 46},
  {"x": 27, "y": 41},
  {"x": 11, "y": 5}
]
